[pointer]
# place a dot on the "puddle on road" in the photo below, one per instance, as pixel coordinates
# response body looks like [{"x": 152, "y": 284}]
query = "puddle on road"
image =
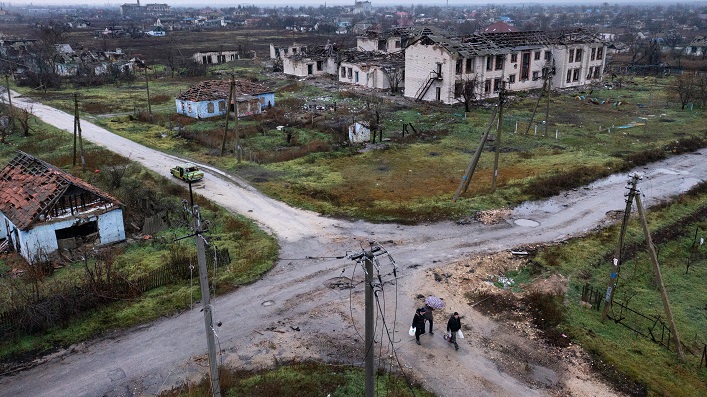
[
  {"x": 532, "y": 207},
  {"x": 268, "y": 303},
  {"x": 526, "y": 223}
]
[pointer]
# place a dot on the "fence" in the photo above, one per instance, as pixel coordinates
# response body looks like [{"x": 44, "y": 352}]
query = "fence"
[
  {"x": 59, "y": 305},
  {"x": 592, "y": 296}
]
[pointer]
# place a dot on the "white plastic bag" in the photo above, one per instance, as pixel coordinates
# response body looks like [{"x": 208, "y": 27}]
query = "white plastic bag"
[
  {"x": 460, "y": 335},
  {"x": 412, "y": 331}
]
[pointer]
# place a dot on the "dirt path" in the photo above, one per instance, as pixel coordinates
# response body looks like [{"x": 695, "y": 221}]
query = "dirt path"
[{"x": 294, "y": 313}]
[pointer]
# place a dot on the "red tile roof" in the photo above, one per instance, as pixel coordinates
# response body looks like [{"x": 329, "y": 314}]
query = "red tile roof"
[
  {"x": 30, "y": 187},
  {"x": 219, "y": 89}
]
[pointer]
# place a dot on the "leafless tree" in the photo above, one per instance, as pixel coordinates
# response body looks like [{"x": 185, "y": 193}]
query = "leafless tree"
[
  {"x": 684, "y": 88},
  {"x": 23, "y": 117},
  {"x": 466, "y": 92},
  {"x": 395, "y": 75}
]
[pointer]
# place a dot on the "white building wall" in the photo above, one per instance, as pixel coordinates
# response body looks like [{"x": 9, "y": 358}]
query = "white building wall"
[
  {"x": 366, "y": 44},
  {"x": 420, "y": 61},
  {"x": 110, "y": 226}
]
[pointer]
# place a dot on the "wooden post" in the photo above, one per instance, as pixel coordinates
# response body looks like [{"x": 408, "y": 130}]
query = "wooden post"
[
  {"x": 535, "y": 108},
  {"x": 147, "y": 87},
  {"x": 547, "y": 109},
  {"x": 659, "y": 277},
  {"x": 238, "y": 138}
]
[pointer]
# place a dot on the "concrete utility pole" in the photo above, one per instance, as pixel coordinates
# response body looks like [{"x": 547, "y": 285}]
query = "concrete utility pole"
[
  {"x": 618, "y": 257},
  {"x": 238, "y": 138},
  {"x": 499, "y": 128},
  {"x": 147, "y": 87},
  {"x": 206, "y": 300},
  {"x": 466, "y": 179},
  {"x": 368, "y": 258}
]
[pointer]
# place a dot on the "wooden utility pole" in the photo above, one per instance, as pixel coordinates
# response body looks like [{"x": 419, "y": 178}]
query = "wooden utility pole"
[
  {"x": 370, "y": 370},
  {"x": 147, "y": 87},
  {"x": 499, "y": 128},
  {"x": 618, "y": 256},
  {"x": 238, "y": 138},
  {"x": 77, "y": 129},
  {"x": 11, "y": 110},
  {"x": 466, "y": 179},
  {"x": 228, "y": 116},
  {"x": 659, "y": 277},
  {"x": 206, "y": 301}
]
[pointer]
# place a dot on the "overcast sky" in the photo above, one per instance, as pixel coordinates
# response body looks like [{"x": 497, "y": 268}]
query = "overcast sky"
[{"x": 265, "y": 3}]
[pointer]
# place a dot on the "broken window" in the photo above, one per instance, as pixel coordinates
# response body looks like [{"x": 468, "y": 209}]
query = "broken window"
[
  {"x": 499, "y": 62},
  {"x": 590, "y": 72},
  {"x": 438, "y": 93},
  {"x": 489, "y": 63},
  {"x": 593, "y": 55},
  {"x": 536, "y": 75},
  {"x": 439, "y": 70},
  {"x": 458, "y": 68},
  {"x": 597, "y": 72},
  {"x": 525, "y": 66},
  {"x": 74, "y": 236},
  {"x": 548, "y": 55},
  {"x": 468, "y": 65},
  {"x": 575, "y": 75},
  {"x": 221, "y": 106},
  {"x": 319, "y": 65},
  {"x": 600, "y": 53},
  {"x": 343, "y": 71},
  {"x": 310, "y": 69},
  {"x": 537, "y": 55},
  {"x": 487, "y": 85},
  {"x": 572, "y": 55},
  {"x": 514, "y": 58},
  {"x": 350, "y": 73},
  {"x": 397, "y": 44},
  {"x": 578, "y": 55},
  {"x": 382, "y": 45},
  {"x": 569, "y": 76},
  {"x": 210, "y": 107},
  {"x": 294, "y": 50},
  {"x": 511, "y": 79},
  {"x": 497, "y": 84}
]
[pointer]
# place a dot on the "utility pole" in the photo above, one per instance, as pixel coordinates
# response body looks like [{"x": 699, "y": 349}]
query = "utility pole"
[
  {"x": 77, "y": 128},
  {"x": 659, "y": 277},
  {"x": 11, "y": 110},
  {"x": 537, "y": 103},
  {"x": 466, "y": 179},
  {"x": 368, "y": 257},
  {"x": 228, "y": 115},
  {"x": 618, "y": 256},
  {"x": 547, "y": 108},
  {"x": 238, "y": 138},
  {"x": 147, "y": 87},
  {"x": 501, "y": 99},
  {"x": 206, "y": 300}
]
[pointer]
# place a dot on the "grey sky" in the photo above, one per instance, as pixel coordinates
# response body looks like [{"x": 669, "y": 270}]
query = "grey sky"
[{"x": 227, "y": 3}]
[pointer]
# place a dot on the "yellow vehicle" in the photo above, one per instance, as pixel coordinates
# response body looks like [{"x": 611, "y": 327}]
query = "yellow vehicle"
[{"x": 187, "y": 172}]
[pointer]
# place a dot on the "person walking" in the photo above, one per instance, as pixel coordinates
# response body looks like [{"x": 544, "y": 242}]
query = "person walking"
[
  {"x": 453, "y": 326},
  {"x": 429, "y": 317},
  {"x": 418, "y": 322}
]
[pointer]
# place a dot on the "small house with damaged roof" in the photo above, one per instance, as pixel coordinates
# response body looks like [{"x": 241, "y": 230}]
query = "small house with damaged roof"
[
  {"x": 374, "y": 70},
  {"x": 43, "y": 209},
  {"x": 208, "y": 99},
  {"x": 437, "y": 66}
]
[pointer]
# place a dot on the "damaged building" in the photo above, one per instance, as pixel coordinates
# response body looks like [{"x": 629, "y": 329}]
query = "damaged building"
[
  {"x": 374, "y": 70},
  {"x": 209, "y": 98},
  {"x": 43, "y": 210},
  {"x": 436, "y": 66},
  {"x": 312, "y": 61}
]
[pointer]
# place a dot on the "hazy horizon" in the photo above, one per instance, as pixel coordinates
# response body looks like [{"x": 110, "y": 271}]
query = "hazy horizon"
[{"x": 297, "y": 3}]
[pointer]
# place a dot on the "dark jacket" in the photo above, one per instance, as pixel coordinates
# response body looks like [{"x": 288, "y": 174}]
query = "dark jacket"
[
  {"x": 418, "y": 321},
  {"x": 428, "y": 313},
  {"x": 454, "y": 324}
]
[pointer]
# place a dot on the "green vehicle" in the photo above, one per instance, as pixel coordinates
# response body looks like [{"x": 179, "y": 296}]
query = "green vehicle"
[{"x": 187, "y": 172}]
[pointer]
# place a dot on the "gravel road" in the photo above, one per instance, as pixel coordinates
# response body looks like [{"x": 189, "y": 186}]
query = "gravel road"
[{"x": 260, "y": 320}]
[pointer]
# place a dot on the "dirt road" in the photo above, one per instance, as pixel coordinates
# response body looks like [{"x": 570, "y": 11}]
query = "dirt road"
[{"x": 294, "y": 312}]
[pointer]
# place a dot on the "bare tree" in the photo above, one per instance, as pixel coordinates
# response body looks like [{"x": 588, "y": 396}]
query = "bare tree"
[
  {"x": 23, "y": 118},
  {"x": 684, "y": 88},
  {"x": 466, "y": 92},
  {"x": 395, "y": 75}
]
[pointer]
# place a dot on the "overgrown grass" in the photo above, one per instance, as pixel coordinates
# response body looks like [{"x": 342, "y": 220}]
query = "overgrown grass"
[
  {"x": 302, "y": 380},
  {"x": 623, "y": 354},
  {"x": 252, "y": 251}
]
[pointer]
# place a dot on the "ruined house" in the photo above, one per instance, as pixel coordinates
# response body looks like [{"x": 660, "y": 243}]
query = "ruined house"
[
  {"x": 43, "y": 209},
  {"x": 436, "y": 66},
  {"x": 214, "y": 57},
  {"x": 374, "y": 70},
  {"x": 312, "y": 61},
  {"x": 393, "y": 40},
  {"x": 279, "y": 52},
  {"x": 697, "y": 47},
  {"x": 208, "y": 99}
]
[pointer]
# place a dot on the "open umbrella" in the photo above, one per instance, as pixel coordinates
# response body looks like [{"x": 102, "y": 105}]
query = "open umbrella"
[{"x": 434, "y": 302}]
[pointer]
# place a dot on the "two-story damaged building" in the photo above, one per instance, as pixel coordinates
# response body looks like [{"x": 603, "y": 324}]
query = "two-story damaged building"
[
  {"x": 312, "y": 61},
  {"x": 393, "y": 40},
  {"x": 209, "y": 99},
  {"x": 374, "y": 70},
  {"x": 43, "y": 209},
  {"x": 436, "y": 66}
]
